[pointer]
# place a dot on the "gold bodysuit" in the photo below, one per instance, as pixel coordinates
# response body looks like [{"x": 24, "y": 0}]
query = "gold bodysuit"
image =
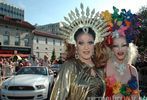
[{"x": 75, "y": 82}]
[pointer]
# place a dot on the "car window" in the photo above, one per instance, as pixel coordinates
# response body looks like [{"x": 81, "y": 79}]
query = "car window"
[
  {"x": 32, "y": 70},
  {"x": 41, "y": 71},
  {"x": 26, "y": 70}
]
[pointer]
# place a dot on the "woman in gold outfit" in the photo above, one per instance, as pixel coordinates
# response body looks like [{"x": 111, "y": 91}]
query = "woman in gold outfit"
[{"x": 81, "y": 76}]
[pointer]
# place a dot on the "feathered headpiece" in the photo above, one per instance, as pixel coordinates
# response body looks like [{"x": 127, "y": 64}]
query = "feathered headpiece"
[
  {"x": 122, "y": 24},
  {"x": 84, "y": 19}
]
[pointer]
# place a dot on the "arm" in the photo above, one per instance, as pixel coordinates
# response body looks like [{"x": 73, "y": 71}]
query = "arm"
[
  {"x": 61, "y": 88},
  {"x": 135, "y": 73}
]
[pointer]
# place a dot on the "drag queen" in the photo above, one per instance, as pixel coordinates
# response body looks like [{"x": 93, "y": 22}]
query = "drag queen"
[
  {"x": 82, "y": 75},
  {"x": 121, "y": 76}
]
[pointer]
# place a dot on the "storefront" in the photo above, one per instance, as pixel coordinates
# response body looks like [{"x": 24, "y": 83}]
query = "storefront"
[{"x": 8, "y": 51}]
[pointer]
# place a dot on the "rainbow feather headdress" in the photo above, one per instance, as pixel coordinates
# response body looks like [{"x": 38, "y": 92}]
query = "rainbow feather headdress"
[{"x": 122, "y": 23}]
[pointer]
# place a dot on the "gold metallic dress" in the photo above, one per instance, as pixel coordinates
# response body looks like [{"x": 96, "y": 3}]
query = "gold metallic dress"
[{"x": 75, "y": 82}]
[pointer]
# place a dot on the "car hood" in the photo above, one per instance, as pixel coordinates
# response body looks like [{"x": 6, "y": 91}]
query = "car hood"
[{"x": 26, "y": 79}]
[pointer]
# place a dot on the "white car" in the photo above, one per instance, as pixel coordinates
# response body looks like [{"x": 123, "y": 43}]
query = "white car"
[{"x": 29, "y": 83}]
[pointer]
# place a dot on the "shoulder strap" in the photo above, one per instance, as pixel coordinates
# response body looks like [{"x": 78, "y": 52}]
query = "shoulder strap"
[{"x": 130, "y": 70}]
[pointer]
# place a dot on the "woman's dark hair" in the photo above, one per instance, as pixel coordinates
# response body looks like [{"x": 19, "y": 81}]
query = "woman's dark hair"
[{"x": 83, "y": 30}]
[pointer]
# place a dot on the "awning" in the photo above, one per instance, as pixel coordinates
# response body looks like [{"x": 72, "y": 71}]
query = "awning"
[
  {"x": 10, "y": 55},
  {"x": 6, "y": 55},
  {"x": 24, "y": 55}
]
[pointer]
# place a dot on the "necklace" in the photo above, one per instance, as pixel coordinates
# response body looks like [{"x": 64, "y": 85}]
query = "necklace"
[{"x": 120, "y": 67}]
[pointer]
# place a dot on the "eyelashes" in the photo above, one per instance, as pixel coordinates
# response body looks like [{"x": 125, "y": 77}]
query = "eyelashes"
[
  {"x": 89, "y": 42},
  {"x": 80, "y": 42},
  {"x": 115, "y": 46}
]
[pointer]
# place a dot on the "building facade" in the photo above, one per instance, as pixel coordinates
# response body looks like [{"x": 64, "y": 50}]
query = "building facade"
[
  {"x": 15, "y": 35},
  {"x": 45, "y": 43},
  {"x": 11, "y": 11},
  {"x": 53, "y": 28}
]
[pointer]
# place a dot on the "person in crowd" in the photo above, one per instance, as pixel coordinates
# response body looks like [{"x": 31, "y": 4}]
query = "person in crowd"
[
  {"x": 122, "y": 81},
  {"x": 46, "y": 61},
  {"x": 60, "y": 60},
  {"x": 26, "y": 62},
  {"x": 55, "y": 61},
  {"x": 81, "y": 76},
  {"x": 12, "y": 67},
  {"x": 34, "y": 61}
]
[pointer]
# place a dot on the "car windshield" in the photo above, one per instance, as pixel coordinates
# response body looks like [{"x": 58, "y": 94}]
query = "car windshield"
[{"x": 32, "y": 70}]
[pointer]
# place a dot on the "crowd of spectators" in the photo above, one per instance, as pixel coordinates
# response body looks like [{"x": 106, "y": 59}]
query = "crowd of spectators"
[{"x": 10, "y": 65}]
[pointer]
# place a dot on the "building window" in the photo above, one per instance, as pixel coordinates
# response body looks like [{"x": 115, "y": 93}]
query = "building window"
[
  {"x": 37, "y": 40},
  {"x": 53, "y": 42},
  {"x": 45, "y": 48},
  {"x": 17, "y": 39},
  {"x": 60, "y": 43},
  {"x": 38, "y": 55},
  {"x": 6, "y": 38},
  {"x": 46, "y": 40},
  {"x": 37, "y": 47},
  {"x": 26, "y": 40}
]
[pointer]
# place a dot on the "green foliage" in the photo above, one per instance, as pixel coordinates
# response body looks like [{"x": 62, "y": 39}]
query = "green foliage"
[
  {"x": 53, "y": 57},
  {"x": 143, "y": 12},
  {"x": 143, "y": 36}
]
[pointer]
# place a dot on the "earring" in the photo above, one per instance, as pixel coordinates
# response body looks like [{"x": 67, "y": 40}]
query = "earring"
[{"x": 76, "y": 55}]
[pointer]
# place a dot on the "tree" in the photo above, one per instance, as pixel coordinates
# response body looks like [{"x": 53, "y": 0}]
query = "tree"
[
  {"x": 53, "y": 57},
  {"x": 143, "y": 12},
  {"x": 143, "y": 36}
]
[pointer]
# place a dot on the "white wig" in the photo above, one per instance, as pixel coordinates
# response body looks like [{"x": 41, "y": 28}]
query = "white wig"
[{"x": 132, "y": 53}]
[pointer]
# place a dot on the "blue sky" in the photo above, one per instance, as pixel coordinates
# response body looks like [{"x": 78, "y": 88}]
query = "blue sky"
[{"x": 43, "y": 12}]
